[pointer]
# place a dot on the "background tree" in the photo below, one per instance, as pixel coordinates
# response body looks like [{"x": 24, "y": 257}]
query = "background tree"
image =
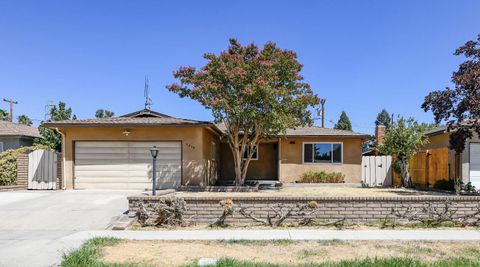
[
  {"x": 24, "y": 119},
  {"x": 50, "y": 137},
  {"x": 4, "y": 115},
  {"x": 256, "y": 94},
  {"x": 343, "y": 123},
  {"x": 103, "y": 113},
  {"x": 460, "y": 107},
  {"x": 403, "y": 139},
  {"x": 383, "y": 118}
]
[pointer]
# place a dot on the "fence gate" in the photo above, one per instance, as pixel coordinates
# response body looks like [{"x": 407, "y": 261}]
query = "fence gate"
[
  {"x": 377, "y": 170},
  {"x": 42, "y": 169}
]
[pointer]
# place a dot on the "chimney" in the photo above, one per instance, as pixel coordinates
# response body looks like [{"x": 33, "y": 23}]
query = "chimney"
[{"x": 380, "y": 134}]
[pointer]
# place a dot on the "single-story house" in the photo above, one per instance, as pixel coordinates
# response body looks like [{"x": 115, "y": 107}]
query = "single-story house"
[
  {"x": 466, "y": 165},
  {"x": 14, "y": 135},
  {"x": 113, "y": 153}
]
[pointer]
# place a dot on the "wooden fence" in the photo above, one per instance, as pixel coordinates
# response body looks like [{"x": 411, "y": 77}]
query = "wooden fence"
[{"x": 427, "y": 167}]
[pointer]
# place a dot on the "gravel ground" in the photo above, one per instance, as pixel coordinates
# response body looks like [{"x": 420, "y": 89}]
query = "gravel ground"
[{"x": 318, "y": 191}]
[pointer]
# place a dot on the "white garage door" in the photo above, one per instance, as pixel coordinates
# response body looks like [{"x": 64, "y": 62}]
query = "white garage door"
[
  {"x": 475, "y": 164},
  {"x": 126, "y": 165}
]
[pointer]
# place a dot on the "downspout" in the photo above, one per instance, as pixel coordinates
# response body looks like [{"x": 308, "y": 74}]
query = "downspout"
[{"x": 64, "y": 177}]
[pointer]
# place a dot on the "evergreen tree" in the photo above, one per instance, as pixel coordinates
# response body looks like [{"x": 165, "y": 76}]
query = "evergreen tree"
[
  {"x": 383, "y": 118},
  {"x": 343, "y": 123}
]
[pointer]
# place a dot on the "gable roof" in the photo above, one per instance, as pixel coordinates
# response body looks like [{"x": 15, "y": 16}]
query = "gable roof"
[
  {"x": 146, "y": 113},
  {"x": 14, "y": 129},
  {"x": 139, "y": 118}
]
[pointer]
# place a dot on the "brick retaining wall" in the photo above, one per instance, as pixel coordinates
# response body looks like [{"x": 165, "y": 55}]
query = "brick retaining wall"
[{"x": 353, "y": 209}]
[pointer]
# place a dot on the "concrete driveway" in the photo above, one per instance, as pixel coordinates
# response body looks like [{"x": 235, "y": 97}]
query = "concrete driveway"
[{"x": 33, "y": 224}]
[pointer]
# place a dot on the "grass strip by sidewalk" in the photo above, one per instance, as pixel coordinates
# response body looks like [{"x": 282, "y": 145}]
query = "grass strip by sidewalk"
[
  {"x": 390, "y": 262},
  {"x": 90, "y": 252}
]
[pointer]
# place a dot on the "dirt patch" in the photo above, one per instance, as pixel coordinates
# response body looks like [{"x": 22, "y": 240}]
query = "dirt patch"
[
  {"x": 313, "y": 191},
  {"x": 175, "y": 253}
]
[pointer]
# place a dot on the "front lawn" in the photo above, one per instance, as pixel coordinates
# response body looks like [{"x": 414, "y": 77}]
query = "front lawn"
[{"x": 107, "y": 252}]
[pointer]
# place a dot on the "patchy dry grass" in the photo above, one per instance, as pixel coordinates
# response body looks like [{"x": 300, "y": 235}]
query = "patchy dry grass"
[{"x": 177, "y": 253}]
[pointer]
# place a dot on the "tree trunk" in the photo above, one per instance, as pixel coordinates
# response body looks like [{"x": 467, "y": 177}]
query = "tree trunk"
[
  {"x": 237, "y": 158},
  {"x": 406, "y": 179}
]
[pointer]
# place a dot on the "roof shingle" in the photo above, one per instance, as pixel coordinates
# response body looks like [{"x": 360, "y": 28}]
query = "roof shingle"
[{"x": 13, "y": 129}]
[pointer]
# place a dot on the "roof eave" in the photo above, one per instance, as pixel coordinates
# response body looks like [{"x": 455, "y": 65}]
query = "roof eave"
[{"x": 56, "y": 125}]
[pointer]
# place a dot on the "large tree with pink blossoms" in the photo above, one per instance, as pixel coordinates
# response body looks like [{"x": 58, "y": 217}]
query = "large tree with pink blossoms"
[{"x": 256, "y": 93}]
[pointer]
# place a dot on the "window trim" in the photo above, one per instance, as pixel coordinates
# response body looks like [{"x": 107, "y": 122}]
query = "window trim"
[
  {"x": 248, "y": 147},
  {"x": 322, "y": 163}
]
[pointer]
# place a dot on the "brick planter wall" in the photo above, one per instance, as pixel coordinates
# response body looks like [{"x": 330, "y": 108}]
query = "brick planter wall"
[
  {"x": 22, "y": 170},
  {"x": 353, "y": 209}
]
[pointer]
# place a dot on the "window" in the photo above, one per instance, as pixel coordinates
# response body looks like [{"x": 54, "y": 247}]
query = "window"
[
  {"x": 213, "y": 151},
  {"x": 322, "y": 153},
  {"x": 1, "y": 146},
  {"x": 248, "y": 150}
]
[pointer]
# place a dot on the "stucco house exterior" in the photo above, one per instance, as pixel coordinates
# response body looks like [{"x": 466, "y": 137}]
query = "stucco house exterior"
[
  {"x": 14, "y": 135},
  {"x": 113, "y": 153},
  {"x": 466, "y": 165}
]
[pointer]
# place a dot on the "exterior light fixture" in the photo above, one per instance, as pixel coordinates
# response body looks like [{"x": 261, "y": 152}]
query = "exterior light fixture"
[
  {"x": 126, "y": 132},
  {"x": 154, "y": 153}
]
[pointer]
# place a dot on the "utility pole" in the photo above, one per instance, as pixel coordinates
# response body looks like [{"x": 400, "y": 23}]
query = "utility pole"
[
  {"x": 322, "y": 102},
  {"x": 11, "y": 107}
]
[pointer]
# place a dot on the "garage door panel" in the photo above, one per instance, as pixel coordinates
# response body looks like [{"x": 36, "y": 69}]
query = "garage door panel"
[
  {"x": 95, "y": 162},
  {"x": 475, "y": 164},
  {"x": 100, "y": 150},
  {"x": 102, "y": 156},
  {"x": 159, "y": 144},
  {"x": 80, "y": 144},
  {"x": 125, "y": 165}
]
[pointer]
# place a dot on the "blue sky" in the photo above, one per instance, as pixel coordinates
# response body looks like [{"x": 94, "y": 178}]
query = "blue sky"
[{"x": 360, "y": 55}]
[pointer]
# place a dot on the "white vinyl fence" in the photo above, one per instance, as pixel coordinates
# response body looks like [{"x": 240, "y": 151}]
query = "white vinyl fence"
[
  {"x": 42, "y": 169},
  {"x": 377, "y": 171}
]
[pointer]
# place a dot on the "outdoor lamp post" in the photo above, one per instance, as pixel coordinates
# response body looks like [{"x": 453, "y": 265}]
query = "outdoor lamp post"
[{"x": 154, "y": 152}]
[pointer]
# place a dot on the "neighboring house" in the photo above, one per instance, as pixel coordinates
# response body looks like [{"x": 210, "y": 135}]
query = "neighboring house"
[
  {"x": 13, "y": 135},
  {"x": 113, "y": 153},
  {"x": 466, "y": 165}
]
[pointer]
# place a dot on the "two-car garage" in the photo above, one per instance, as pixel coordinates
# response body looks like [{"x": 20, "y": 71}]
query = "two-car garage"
[
  {"x": 126, "y": 164},
  {"x": 475, "y": 164}
]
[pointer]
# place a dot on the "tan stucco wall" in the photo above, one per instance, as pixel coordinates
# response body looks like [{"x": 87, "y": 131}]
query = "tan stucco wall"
[
  {"x": 193, "y": 160},
  {"x": 212, "y": 165},
  {"x": 292, "y": 167}
]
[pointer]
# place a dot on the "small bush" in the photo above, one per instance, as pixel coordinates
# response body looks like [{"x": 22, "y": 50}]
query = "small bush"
[
  {"x": 8, "y": 163},
  {"x": 449, "y": 185},
  {"x": 322, "y": 177},
  {"x": 445, "y": 184}
]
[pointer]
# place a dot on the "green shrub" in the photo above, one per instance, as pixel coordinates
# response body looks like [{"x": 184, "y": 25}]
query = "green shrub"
[
  {"x": 322, "y": 177},
  {"x": 449, "y": 185},
  {"x": 445, "y": 184},
  {"x": 8, "y": 163}
]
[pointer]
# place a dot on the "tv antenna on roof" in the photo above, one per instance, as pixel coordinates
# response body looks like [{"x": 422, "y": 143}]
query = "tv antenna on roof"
[{"x": 146, "y": 94}]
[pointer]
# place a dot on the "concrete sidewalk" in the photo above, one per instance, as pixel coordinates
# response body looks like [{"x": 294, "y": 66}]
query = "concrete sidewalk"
[{"x": 402, "y": 235}]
